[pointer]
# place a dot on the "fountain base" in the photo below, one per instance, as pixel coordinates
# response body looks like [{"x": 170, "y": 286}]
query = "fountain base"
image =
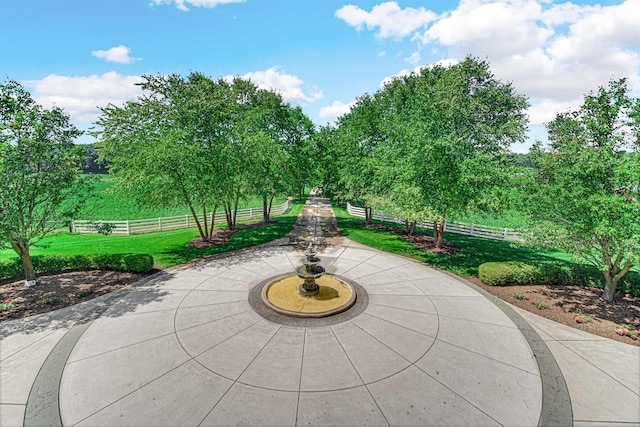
[{"x": 286, "y": 296}]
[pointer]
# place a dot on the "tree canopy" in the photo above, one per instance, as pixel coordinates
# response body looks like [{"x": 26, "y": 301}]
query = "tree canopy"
[
  {"x": 204, "y": 143},
  {"x": 428, "y": 142},
  {"x": 583, "y": 193},
  {"x": 41, "y": 187}
]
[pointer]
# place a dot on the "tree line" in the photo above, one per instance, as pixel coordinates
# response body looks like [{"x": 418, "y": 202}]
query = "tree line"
[{"x": 427, "y": 145}]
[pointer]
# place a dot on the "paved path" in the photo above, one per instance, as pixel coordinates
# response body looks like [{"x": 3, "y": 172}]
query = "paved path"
[{"x": 189, "y": 346}]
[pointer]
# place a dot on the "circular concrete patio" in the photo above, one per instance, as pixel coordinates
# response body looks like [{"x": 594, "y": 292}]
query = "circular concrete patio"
[{"x": 186, "y": 348}]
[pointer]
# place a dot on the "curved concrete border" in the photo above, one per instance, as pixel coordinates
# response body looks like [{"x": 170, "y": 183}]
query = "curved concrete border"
[{"x": 556, "y": 401}]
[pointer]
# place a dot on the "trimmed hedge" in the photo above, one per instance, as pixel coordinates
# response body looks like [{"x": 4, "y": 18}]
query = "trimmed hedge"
[
  {"x": 52, "y": 264},
  {"x": 552, "y": 273}
]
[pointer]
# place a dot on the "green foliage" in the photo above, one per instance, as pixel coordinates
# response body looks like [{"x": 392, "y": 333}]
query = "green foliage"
[
  {"x": 205, "y": 145},
  {"x": 475, "y": 251},
  {"x": 39, "y": 165},
  {"x": 540, "y": 305},
  {"x": 506, "y": 273},
  {"x": 551, "y": 273},
  {"x": 53, "y": 264},
  {"x": 428, "y": 144},
  {"x": 583, "y": 193},
  {"x": 109, "y": 262},
  {"x": 138, "y": 263}
]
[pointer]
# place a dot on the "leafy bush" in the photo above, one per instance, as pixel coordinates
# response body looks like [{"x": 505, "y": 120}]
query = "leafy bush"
[
  {"x": 108, "y": 262},
  {"x": 80, "y": 262},
  {"x": 49, "y": 264},
  {"x": 138, "y": 263},
  {"x": 53, "y": 264},
  {"x": 11, "y": 268},
  {"x": 552, "y": 273},
  {"x": 506, "y": 273}
]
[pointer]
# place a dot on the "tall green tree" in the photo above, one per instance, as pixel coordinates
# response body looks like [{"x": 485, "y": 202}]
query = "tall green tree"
[
  {"x": 170, "y": 146},
  {"x": 40, "y": 188},
  {"x": 583, "y": 195}
]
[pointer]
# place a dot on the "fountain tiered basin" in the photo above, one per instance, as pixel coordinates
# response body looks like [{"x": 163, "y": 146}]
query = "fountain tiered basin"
[{"x": 319, "y": 294}]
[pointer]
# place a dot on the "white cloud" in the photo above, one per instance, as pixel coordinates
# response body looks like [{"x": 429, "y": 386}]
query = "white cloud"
[
  {"x": 389, "y": 18},
  {"x": 552, "y": 52},
  {"x": 182, "y": 4},
  {"x": 335, "y": 110},
  {"x": 119, "y": 54},
  {"x": 288, "y": 85},
  {"x": 80, "y": 96}
]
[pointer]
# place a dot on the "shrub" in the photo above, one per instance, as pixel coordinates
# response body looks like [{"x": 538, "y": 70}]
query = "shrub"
[
  {"x": 138, "y": 263},
  {"x": 52, "y": 264},
  {"x": 49, "y": 264},
  {"x": 108, "y": 261},
  {"x": 552, "y": 273},
  {"x": 11, "y": 268},
  {"x": 80, "y": 262},
  {"x": 505, "y": 273}
]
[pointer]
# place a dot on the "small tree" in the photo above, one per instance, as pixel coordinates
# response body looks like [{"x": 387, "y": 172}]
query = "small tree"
[
  {"x": 583, "y": 194},
  {"x": 41, "y": 188}
]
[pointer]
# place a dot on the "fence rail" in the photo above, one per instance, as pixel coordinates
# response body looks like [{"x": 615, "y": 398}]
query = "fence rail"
[
  {"x": 489, "y": 232},
  {"x": 139, "y": 226}
]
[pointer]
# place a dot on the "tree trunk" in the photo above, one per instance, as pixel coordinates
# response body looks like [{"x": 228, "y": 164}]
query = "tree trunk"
[
  {"x": 213, "y": 221},
  {"x": 195, "y": 217},
  {"x": 21, "y": 247},
  {"x": 611, "y": 280},
  {"x": 412, "y": 228},
  {"x": 235, "y": 210},
  {"x": 406, "y": 225},
  {"x": 228, "y": 214},
  {"x": 265, "y": 209},
  {"x": 368, "y": 215},
  {"x": 438, "y": 232}
]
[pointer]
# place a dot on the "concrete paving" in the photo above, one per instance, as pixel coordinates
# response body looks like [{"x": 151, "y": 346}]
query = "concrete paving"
[{"x": 189, "y": 346}]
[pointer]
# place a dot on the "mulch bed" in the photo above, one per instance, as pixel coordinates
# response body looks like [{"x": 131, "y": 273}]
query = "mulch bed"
[{"x": 61, "y": 290}]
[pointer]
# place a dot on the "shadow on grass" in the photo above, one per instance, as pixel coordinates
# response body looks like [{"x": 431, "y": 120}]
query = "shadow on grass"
[
  {"x": 473, "y": 250},
  {"x": 179, "y": 254}
]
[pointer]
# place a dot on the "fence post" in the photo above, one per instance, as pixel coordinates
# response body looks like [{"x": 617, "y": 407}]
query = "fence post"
[
  {"x": 186, "y": 217},
  {"x": 159, "y": 224},
  {"x": 73, "y": 226},
  {"x": 128, "y": 227},
  {"x": 504, "y": 233}
]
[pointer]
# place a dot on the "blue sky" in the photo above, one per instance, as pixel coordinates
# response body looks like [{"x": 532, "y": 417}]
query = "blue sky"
[{"x": 320, "y": 54}]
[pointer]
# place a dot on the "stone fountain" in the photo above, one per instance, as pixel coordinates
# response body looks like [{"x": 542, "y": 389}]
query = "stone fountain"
[
  {"x": 320, "y": 295},
  {"x": 310, "y": 271}
]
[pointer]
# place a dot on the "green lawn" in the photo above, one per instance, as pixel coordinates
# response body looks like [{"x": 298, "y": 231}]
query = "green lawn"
[
  {"x": 167, "y": 247},
  {"x": 474, "y": 250},
  {"x": 108, "y": 205}
]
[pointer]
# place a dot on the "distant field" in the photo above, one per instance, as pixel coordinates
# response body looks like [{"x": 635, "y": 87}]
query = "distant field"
[
  {"x": 167, "y": 247},
  {"x": 108, "y": 205}
]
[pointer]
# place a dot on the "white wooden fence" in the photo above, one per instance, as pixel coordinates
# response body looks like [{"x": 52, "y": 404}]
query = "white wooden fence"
[
  {"x": 138, "y": 226},
  {"x": 477, "y": 230}
]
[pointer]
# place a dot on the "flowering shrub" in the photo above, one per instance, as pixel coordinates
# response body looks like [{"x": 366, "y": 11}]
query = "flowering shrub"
[
  {"x": 627, "y": 330},
  {"x": 85, "y": 293},
  {"x": 7, "y": 305},
  {"x": 581, "y": 318}
]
